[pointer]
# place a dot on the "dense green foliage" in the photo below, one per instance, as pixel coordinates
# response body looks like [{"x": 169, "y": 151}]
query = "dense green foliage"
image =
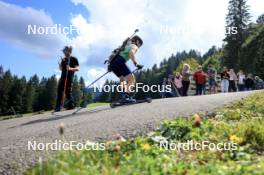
[
  {"x": 236, "y": 23},
  {"x": 191, "y": 61},
  {"x": 260, "y": 19},
  {"x": 215, "y": 60},
  {"x": 245, "y": 49},
  {"x": 252, "y": 51}
]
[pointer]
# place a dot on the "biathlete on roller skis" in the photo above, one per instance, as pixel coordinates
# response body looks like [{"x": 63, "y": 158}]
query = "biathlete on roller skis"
[{"x": 117, "y": 64}]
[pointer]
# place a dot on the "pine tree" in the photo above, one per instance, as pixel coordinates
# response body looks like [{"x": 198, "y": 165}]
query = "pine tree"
[
  {"x": 29, "y": 97},
  {"x": 260, "y": 19},
  {"x": 209, "y": 53},
  {"x": 237, "y": 20},
  {"x": 41, "y": 99},
  {"x": 34, "y": 80},
  {"x": 16, "y": 94},
  {"x": 24, "y": 96},
  {"x": 105, "y": 96},
  {"x": 252, "y": 52},
  {"x": 86, "y": 96},
  {"x": 5, "y": 85},
  {"x": 76, "y": 91},
  {"x": 1, "y": 71},
  {"x": 50, "y": 92}
]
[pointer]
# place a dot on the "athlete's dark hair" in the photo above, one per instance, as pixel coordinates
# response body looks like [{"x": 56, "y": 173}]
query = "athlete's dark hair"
[
  {"x": 137, "y": 38},
  {"x": 66, "y": 48}
]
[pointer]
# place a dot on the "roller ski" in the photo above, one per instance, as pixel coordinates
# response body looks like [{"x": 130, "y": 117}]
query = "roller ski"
[{"x": 126, "y": 100}]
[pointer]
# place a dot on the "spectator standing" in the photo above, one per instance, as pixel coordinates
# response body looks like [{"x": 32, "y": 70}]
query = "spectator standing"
[
  {"x": 166, "y": 93},
  {"x": 241, "y": 80},
  {"x": 200, "y": 80},
  {"x": 224, "y": 80},
  {"x": 186, "y": 74},
  {"x": 211, "y": 73},
  {"x": 164, "y": 84},
  {"x": 178, "y": 82},
  {"x": 171, "y": 84},
  {"x": 249, "y": 83},
  {"x": 259, "y": 84},
  {"x": 232, "y": 81},
  {"x": 68, "y": 66}
]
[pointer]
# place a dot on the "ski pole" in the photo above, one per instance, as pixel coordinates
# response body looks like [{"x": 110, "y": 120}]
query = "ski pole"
[
  {"x": 86, "y": 88},
  {"x": 102, "y": 77},
  {"x": 97, "y": 79}
]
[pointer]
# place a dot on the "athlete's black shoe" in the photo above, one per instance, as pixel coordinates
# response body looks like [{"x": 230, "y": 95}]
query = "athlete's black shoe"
[
  {"x": 127, "y": 100},
  {"x": 70, "y": 107},
  {"x": 57, "y": 109}
]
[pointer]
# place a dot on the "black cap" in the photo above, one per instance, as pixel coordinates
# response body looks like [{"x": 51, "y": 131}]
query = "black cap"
[
  {"x": 137, "y": 38},
  {"x": 67, "y": 48}
]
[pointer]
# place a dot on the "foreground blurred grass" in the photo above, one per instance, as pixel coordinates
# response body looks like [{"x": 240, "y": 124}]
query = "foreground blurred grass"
[{"x": 240, "y": 123}]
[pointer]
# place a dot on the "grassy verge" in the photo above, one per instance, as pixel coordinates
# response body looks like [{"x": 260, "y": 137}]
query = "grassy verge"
[
  {"x": 95, "y": 105},
  {"x": 240, "y": 124}
]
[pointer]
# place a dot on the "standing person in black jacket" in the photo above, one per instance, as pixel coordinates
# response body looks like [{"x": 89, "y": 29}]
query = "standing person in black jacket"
[
  {"x": 68, "y": 66},
  {"x": 249, "y": 83}
]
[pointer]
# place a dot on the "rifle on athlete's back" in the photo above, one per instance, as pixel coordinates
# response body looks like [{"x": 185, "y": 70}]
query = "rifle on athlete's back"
[{"x": 119, "y": 49}]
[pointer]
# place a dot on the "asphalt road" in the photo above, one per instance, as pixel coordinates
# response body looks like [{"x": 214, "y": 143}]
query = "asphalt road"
[{"x": 96, "y": 125}]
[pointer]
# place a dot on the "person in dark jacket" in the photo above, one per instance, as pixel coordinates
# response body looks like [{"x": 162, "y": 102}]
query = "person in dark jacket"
[
  {"x": 259, "y": 83},
  {"x": 249, "y": 83},
  {"x": 68, "y": 66}
]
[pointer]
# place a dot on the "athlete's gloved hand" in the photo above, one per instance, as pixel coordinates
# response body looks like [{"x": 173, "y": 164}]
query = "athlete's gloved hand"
[
  {"x": 139, "y": 66},
  {"x": 109, "y": 69},
  {"x": 106, "y": 61}
]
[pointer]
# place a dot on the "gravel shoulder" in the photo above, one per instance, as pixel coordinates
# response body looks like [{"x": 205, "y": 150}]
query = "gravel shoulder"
[{"x": 95, "y": 125}]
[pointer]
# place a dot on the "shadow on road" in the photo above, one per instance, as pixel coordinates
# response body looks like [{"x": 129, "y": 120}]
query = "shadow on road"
[{"x": 54, "y": 117}]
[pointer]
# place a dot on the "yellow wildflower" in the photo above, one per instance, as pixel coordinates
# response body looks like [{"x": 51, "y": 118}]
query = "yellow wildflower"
[
  {"x": 108, "y": 143},
  {"x": 146, "y": 147},
  {"x": 234, "y": 138}
]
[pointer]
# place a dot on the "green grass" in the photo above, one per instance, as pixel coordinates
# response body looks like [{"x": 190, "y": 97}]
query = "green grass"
[
  {"x": 240, "y": 123},
  {"x": 191, "y": 61},
  {"x": 95, "y": 105}
]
